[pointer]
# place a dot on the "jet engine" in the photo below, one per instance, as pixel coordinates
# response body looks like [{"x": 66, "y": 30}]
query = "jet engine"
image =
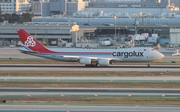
[
  {"x": 85, "y": 61},
  {"x": 103, "y": 62}
]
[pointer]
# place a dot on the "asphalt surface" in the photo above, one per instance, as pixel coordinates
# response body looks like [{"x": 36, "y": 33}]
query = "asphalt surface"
[
  {"x": 80, "y": 67},
  {"x": 90, "y": 79},
  {"x": 93, "y": 108},
  {"x": 14, "y": 53},
  {"x": 5, "y": 95},
  {"x": 21, "y": 94},
  {"x": 90, "y": 90}
]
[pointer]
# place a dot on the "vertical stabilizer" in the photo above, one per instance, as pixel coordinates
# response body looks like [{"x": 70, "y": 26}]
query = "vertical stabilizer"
[{"x": 31, "y": 42}]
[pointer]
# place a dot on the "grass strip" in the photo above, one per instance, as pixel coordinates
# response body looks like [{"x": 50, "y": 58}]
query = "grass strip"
[
  {"x": 85, "y": 73},
  {"x": 98, "y": 100},
  {"x": 92, "y": 85}
]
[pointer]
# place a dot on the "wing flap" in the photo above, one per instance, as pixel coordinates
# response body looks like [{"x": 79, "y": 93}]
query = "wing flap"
[{"x": 76, "y": 57}]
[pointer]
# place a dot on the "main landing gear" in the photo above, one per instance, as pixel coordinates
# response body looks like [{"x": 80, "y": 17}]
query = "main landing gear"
[
  {"x": 91, "y": 65},
  {"x": 148, "y": 65}
]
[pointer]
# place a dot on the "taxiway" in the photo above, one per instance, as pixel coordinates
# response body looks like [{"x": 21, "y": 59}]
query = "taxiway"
[
  {"x": 90, "y": 79},
  {"x": 80, "y": 67},
  {"x": 90, "y": 90},
  {"x": 86, "y": 108}
]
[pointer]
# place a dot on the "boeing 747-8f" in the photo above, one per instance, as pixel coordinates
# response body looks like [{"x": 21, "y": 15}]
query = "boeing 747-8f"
[{"x": 89, "y": 57}]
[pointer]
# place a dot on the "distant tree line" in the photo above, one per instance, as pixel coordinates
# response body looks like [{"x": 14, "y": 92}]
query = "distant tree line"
[{"x": 13, "y": 18}]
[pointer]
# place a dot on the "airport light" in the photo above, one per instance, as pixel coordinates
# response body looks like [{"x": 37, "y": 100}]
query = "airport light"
[{"x": 115, "y": 25}]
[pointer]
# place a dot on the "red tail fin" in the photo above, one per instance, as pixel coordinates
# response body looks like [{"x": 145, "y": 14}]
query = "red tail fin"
[{"x": 31, "y": 42}]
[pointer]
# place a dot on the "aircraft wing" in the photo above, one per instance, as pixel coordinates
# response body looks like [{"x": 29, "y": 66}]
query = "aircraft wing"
[
  {"x": 76, "y": 57},
  {"x": 92, "y": 58},
  {"x": 79, "y": 57},
  {"x": 176, "y": 54}
]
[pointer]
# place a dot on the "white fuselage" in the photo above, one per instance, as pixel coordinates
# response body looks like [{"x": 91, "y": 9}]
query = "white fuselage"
[{"x": 124, "y": 54}]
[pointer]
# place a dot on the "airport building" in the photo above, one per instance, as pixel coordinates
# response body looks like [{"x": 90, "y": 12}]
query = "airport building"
[
  {"x": 160, "y": 18},
  {"x": 117, "y": 21},
  {"x": 153, "y": 7},
  {"x": 150, "y": 7},
  {"x": 8, "y": 6},
  {"x": 22, "y": 5},
  {"x": 12, "y": 6},
  {"x": 157, "y": 14},
  {"x": 53, "y": 7},
  {"x": 176, "y": 2},
  {"x": 36, "y": 7},
  {"x": 129, "y": 3},
  {"x": 63, "y": 7},
  {"x": 73, "y": 7},
  {"x": 175, "y": 36},
  {"x": 48, "y": 34}
]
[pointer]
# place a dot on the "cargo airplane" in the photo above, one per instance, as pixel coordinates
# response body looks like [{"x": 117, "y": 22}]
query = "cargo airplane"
[{"x": 89, "y": 57}]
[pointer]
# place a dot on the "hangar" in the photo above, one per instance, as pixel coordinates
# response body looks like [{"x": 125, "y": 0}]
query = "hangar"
[{"x": 47, "y": 32}]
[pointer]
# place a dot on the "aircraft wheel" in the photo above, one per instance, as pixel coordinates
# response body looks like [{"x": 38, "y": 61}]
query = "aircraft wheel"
[
  {"x": 87, "y": 65},
  {"x": 96, "y": 64},
  {"x": 91, "y": 65},
  {"x": 148, "y": 65}
]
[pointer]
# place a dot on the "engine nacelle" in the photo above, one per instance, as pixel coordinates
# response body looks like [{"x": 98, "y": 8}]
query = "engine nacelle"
[
  {"x": 103, "y": 62},
  {"x": 85, "y": 61}
]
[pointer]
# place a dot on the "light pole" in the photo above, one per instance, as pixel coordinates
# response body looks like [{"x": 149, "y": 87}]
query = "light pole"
[
  {"x": 35, "y": 32},
  {"x": 115, "y": 25},
  {"x": 118, "y": 32}
]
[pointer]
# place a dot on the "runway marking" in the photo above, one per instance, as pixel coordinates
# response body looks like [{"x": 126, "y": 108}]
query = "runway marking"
[
  {"x": 96, "y": 95},
  {"x": 28, "y": 95}
]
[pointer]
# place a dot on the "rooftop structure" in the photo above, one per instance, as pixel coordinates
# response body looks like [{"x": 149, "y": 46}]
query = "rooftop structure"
[
  {"x": 150, "y": 7},
  {"x": 128, "y": 3}
]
